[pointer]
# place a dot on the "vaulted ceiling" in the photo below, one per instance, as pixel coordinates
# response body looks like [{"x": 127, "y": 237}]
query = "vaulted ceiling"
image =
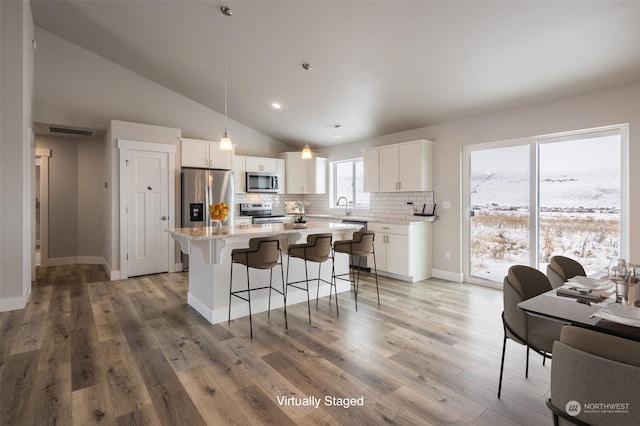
[{"x": 378, "y": 67}]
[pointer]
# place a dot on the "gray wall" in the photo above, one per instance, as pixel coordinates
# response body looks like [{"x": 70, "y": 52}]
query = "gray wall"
[
  {"x": 613, "y": 106},
  {"x": 77, "y": 87},
  {"x": 76, "y": 206},
  {"x": 17, "y": 154}
]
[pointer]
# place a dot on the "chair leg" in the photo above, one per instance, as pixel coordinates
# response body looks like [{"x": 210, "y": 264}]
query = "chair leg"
[
  {"x": 318, "y": 287},
  {"x": 504, "y": 346},
  {"x": 287, "y": 282},
  {"x": 306, "y": 275},
  {"x": 375, "y": 268},
  {"x": 249, "y": 299},
  {"x": 230, "y": 289},
  {"x": 357, "y": 285},
  {"x": 270, "y": 288},
  {"x": 526, "y": 370},
  {"x": 284, "y": 293},
  {"x": 334, "y": 281}
]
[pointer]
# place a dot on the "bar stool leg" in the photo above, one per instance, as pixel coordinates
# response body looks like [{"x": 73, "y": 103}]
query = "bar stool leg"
[
  {"x": 249, "y": 299},
  {"x": 284, "y": 291},
  {"x": 334, "y": 282},
  {"x": 270, "y": 287},
  {"x": 375, "y": 268},
  {"x": 230, "y": 289},
  {"x": 306, "y": 275},
  {"x": 318, "y": 288}
]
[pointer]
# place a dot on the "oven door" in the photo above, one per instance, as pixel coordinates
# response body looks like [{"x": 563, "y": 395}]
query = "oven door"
[{"x": 262, "y": 182}]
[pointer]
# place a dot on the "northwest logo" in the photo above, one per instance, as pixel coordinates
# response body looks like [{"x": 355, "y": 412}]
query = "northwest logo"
[{"x": 572, "y": 408}]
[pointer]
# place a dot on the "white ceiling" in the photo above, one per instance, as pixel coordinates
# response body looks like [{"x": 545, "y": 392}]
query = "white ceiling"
[{"x": 378, "y": 66}]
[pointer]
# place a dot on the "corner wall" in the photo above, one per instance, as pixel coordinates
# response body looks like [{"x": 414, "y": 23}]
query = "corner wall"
[{"x": 17, "y": 154}]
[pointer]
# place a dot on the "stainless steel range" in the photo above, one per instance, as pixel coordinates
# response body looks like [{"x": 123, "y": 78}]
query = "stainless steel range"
[{"x": 261, "y": 213}]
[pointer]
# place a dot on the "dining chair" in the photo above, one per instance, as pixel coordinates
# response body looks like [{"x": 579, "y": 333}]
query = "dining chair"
[
  {"x": 591, "y": 368},
  {"x": 561, "y": 268},
  {"x": 522, "y": 283}
]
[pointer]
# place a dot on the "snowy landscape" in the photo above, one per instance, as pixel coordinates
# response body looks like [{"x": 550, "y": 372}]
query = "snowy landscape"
[{"x": 579, "y": 218}]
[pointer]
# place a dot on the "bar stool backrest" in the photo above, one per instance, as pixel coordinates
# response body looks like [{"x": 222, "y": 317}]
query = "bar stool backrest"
[
  {"x": 318, "y": 247},
  {"x": 363, "y": 242},
  {"x": 265, "y": 255}
]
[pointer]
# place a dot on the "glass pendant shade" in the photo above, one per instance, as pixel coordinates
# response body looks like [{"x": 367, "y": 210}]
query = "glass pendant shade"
[
  {"x": 225, "y": 142},
  {"x": 306, "y": 153}
]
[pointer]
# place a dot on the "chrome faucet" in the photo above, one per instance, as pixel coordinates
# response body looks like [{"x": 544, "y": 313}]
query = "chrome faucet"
[{"x": 346, "y": 205}]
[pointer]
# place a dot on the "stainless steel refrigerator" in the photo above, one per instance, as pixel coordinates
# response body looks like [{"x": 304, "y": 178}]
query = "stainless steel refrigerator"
[{"x": 200, "y": 188}]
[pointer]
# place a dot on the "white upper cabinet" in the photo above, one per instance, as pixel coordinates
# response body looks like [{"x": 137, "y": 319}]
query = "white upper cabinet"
[
  {"x": 400, "y": 167},
  {"x": 261, "y": 164},
  {"x": 305, "y": 176},
  {"x": 243, "y": 164},
  {"x": 205, "y": 154}
]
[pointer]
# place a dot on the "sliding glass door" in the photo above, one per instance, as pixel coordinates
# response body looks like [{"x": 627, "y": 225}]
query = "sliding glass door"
[
  {"x": 499, "y": 214},
  {"x": 530, "y": 199},
  {"x": 580, "y": 199}
]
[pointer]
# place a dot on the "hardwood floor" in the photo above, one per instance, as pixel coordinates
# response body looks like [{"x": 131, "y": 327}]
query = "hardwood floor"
[{"x": 90, "y": 351}]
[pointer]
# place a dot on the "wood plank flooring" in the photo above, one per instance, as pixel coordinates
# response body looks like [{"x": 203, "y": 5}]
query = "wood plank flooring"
[{"x": 90, "y": 351}]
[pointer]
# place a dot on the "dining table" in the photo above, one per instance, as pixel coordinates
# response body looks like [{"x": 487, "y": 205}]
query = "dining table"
[{"x": 582, "y": 312}]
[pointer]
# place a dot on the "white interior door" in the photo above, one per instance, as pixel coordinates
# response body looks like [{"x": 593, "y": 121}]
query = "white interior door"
[{"x": 147, "y": 212}]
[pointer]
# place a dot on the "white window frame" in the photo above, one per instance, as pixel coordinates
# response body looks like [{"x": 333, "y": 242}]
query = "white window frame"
[{"x": 334, "y": 181}]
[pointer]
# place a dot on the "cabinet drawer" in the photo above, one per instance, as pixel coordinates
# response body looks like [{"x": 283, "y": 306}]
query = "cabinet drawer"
[{"x": 388, "y": 228}]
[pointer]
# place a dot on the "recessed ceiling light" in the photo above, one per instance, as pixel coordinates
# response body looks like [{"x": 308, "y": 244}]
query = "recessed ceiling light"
[{"x": 276, "y": 105}]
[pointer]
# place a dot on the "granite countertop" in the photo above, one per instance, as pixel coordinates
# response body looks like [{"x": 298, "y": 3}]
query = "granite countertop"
[{"x": 243, "y": 231}]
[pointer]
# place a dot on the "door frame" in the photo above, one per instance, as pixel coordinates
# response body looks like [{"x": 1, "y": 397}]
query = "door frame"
[
  {"x": 466, "y": 203},
  {"x": 124, "y": 146},
  {"x": 44, "y": 154}
]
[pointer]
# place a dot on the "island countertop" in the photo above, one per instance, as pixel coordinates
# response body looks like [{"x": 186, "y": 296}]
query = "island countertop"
[{"x": 255, "y": 231}]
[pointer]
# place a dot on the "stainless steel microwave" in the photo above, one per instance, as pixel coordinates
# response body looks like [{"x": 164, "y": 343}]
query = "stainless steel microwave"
[{"x": 262, "y": 182}]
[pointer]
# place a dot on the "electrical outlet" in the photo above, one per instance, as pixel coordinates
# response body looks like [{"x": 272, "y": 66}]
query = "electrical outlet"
[
  {"x": 447, "y": 254},
  {"x": 446, "y": 204}
]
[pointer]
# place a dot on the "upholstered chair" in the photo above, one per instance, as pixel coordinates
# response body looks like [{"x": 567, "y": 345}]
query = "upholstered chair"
[
  {"x": 561, "y": 268},
  {"x": 591, "y": 369},
  {"x": 522, "y": 283}
]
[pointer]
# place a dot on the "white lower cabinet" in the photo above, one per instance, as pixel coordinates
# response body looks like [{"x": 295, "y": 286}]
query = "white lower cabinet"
[{"x": 402, "y": 251}]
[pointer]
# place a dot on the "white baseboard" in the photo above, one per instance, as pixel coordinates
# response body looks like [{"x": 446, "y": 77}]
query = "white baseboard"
[
  {"x": 13, "y": 303},
  {"x": 456, "y": 277},
  {"x": 76, "y": 260}
]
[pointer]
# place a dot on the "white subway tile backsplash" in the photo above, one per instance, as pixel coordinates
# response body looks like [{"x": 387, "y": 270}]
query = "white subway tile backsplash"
[{"x": 383, "y": 206}]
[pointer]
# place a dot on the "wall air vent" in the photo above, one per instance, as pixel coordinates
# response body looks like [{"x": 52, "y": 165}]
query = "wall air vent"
[{"x": 68, "y": 131}]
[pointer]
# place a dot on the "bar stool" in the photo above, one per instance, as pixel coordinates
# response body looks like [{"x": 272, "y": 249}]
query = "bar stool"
[
  {"x": 361, "y": 245},
  {"x": 316, "y": 249},
  {"x": 262, "y": 253}
]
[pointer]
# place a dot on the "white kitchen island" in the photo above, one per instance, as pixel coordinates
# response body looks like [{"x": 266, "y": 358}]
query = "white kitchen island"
[{"x": 209, "y": 250}]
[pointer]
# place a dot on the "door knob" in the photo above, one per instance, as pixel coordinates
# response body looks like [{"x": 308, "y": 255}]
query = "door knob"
[{"x": 164, "y": 218}]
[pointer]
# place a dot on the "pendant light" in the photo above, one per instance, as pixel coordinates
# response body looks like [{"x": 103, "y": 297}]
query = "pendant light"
[
  {"x": 306, "y": 151},
  {"x": 225, "y": 141}
]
